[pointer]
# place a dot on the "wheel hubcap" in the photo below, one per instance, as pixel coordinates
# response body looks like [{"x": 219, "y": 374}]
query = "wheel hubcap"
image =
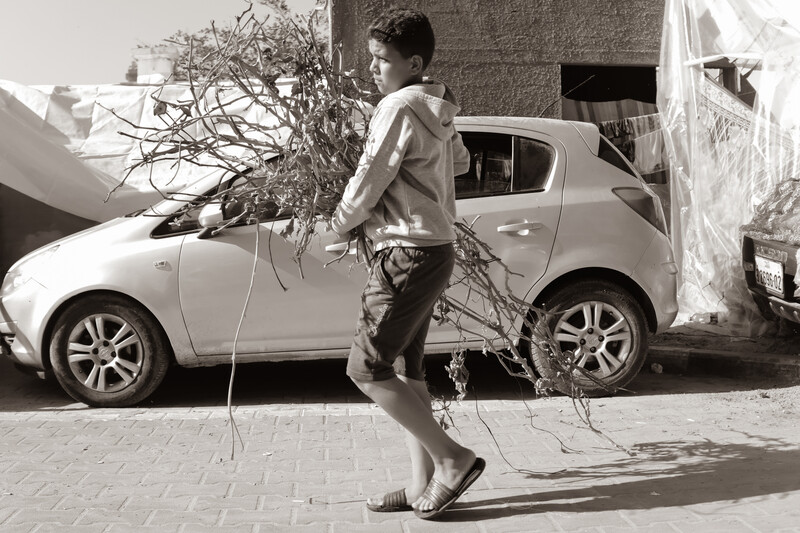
[
  {"x": 598, "y": 335},
  {"x": 105, "y": 353}
]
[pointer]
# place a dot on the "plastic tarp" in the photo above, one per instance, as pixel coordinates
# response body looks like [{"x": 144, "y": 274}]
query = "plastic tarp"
[
  {"x": 62, "y": 145},
  {"x": 725, "y": 157}
]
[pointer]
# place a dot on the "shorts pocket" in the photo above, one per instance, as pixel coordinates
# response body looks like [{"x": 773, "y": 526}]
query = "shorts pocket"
[{"x": 393, "y": 267}]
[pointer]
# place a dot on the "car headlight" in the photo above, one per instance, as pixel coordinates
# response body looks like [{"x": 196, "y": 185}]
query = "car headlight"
[{"x": 25, "y": 270}]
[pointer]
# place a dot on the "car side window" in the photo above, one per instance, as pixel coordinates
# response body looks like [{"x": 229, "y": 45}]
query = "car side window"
[
  {"x": 535, "y": 165},
  {"x": 490, "y": 165},
  {"x": 185, "y": 220},
  {"x": 502, "y": 163}
]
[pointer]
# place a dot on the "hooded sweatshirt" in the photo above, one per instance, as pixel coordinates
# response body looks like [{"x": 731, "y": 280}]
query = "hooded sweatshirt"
[{"x": 403, "y": 188}]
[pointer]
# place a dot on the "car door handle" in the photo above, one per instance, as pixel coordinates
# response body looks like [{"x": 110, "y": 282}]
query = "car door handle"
[
  {"x": 519, "y": 227},
  {"x": 339, "y": 247}
]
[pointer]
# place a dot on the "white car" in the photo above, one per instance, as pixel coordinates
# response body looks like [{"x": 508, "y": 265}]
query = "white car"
[{"x": 109, "y": 309}]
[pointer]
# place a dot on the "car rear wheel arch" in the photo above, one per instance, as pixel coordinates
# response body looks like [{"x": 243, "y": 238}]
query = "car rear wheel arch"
[
  {"x": 602, "y": 275},
  {"x": 602, "y": 328}
]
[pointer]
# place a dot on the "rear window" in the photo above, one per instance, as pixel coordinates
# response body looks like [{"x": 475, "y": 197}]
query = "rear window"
[{"x": 609, "y": 154}]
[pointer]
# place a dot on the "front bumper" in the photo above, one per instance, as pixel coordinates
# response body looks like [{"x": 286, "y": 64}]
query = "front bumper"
[
  {"x": 7, "y": 335},
  {"x": 21, "y": 321},
  {"x": 17, "y": 348}
]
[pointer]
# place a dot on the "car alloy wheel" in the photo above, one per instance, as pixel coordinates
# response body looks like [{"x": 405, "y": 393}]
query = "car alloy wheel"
[
  {"x": 105, "y": 353},
  {"x": 603, "y": 328},
  {"x": 597, "y": 334},
  {"x": 108, "y": 351}
]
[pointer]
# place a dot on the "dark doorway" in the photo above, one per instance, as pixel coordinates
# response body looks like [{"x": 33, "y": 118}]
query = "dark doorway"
[{"x": 591, "y": 83}]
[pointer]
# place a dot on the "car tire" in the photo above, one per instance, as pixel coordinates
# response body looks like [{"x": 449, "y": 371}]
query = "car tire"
[
  {"x": 107, "y": 351},
  {"x": 612, "y": 312}
]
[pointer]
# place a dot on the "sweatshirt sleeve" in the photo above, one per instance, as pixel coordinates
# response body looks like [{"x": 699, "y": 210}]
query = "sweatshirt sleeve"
[
  {"x": 461, "y": 155},
  {"x": 387, "y": 142}
]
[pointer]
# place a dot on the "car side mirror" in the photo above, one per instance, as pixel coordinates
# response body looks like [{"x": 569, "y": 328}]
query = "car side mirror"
[
  {"x": 211, "y": 216},
  {"x": 215, "y": 216}
]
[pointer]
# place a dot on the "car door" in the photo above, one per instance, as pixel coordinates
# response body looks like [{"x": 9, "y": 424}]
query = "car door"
[
  {"x": 513, "y": 187},
  {"x": 313, "y": 310},
  {"x": 512, "y": 196}
]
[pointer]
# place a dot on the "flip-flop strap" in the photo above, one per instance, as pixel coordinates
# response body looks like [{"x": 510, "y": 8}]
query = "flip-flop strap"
[
  {"x": 395, "y": 499},
  {"x": 437, "y": 493}
]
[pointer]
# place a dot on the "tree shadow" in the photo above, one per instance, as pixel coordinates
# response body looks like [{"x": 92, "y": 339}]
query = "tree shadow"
[{"x": 661, "y": 475}]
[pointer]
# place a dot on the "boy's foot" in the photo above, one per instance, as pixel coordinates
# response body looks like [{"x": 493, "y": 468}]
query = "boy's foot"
[
  {"x": 439, "y": 495},
  {"x": 390, "y": 502},
  {"x": 394, "y": 501}
]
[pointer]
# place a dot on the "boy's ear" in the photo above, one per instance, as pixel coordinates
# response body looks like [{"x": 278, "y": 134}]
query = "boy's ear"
[{"x": 417, "y": 65}]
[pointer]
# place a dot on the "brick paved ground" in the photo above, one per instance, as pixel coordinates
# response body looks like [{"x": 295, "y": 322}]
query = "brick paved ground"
[{"x": 706, "y": 455}]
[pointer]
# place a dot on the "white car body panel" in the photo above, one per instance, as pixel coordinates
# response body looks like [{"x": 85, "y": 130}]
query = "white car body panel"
[
  {"x": 314, "y": 312},
  {"x": 196, "y": 288}
]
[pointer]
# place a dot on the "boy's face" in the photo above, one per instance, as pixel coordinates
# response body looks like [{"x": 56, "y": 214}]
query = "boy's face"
[{"x": 390, "y": 70}]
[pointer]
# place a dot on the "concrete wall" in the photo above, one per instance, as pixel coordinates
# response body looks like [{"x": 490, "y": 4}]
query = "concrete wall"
[{"x": 503, "y": 57}]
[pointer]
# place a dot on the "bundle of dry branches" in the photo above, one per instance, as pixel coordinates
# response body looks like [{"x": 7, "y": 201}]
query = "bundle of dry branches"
[
  {"x": 297, "y": 148},
  {"x": 299, "y": 155}
]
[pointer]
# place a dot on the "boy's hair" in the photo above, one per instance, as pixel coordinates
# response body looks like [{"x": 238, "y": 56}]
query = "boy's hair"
[{"x": 408, "y": 30}]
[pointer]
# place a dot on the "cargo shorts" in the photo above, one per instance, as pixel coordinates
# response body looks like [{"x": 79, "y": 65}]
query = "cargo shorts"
[{"x": 396, "y": 308}]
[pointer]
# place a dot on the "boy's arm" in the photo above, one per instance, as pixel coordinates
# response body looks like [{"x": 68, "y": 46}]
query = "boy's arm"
[
  {"x": 384, "y": 152},
  {"x": 461, "y": 155}
]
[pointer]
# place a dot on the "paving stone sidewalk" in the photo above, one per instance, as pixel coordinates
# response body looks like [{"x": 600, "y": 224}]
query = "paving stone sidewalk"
[{"x": 695, "y": 454}]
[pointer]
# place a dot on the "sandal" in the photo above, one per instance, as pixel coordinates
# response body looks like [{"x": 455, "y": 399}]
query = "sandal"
[
  {"x": 442, "y": 497},
  {"x": 392, "y": 502}
]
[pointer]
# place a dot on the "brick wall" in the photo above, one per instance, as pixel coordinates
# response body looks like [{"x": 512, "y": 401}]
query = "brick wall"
[{"x": 503, "y": 57}]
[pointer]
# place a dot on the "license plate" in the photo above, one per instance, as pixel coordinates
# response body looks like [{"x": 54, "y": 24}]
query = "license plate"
[{"x": 769, "y": 274}]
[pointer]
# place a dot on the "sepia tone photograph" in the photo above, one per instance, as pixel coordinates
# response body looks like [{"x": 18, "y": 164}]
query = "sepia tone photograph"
[{"x": 346, "y": 266}]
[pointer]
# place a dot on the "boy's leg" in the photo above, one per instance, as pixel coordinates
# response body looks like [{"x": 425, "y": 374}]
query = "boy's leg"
[
  {"x": 451, "y": 460},
  {"x": 421, "y": 462},
  {"x": 410, "y": 368},
  {"x": 411, "y": 362},
  {"x": 396, "y": 307}
]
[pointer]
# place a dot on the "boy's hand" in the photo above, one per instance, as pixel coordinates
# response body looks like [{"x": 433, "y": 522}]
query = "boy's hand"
[{"x": 349, "y": 235}]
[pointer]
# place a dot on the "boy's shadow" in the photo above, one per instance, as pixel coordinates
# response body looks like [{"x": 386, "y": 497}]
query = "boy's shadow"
[{"x": 662, "y": 474}]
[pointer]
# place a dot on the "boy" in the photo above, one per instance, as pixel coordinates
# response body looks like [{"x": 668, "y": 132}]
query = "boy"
[{"x": 403, "y": 191}]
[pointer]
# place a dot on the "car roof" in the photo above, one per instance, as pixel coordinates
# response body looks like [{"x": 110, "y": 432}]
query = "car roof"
[{"x": 561, "y": 129}]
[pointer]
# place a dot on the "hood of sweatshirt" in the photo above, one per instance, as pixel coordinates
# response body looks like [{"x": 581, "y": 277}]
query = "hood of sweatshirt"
[{"x": 434, "y": 104}]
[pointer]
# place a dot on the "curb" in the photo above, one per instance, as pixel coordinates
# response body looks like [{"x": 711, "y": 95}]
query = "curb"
[{"x": 683, "y": 360}]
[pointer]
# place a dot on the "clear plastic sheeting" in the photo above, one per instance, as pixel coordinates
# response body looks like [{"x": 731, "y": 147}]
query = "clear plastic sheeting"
[
  {"x": 726, "y": 158},
  {"x": 63, "y": 145},
  {"x": 777, "y": 218}
]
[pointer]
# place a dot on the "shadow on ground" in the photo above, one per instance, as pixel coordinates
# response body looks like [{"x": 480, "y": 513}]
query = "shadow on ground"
[
  {"x": 325, "y": 381},
  {"x": 662, "y": 474}
]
